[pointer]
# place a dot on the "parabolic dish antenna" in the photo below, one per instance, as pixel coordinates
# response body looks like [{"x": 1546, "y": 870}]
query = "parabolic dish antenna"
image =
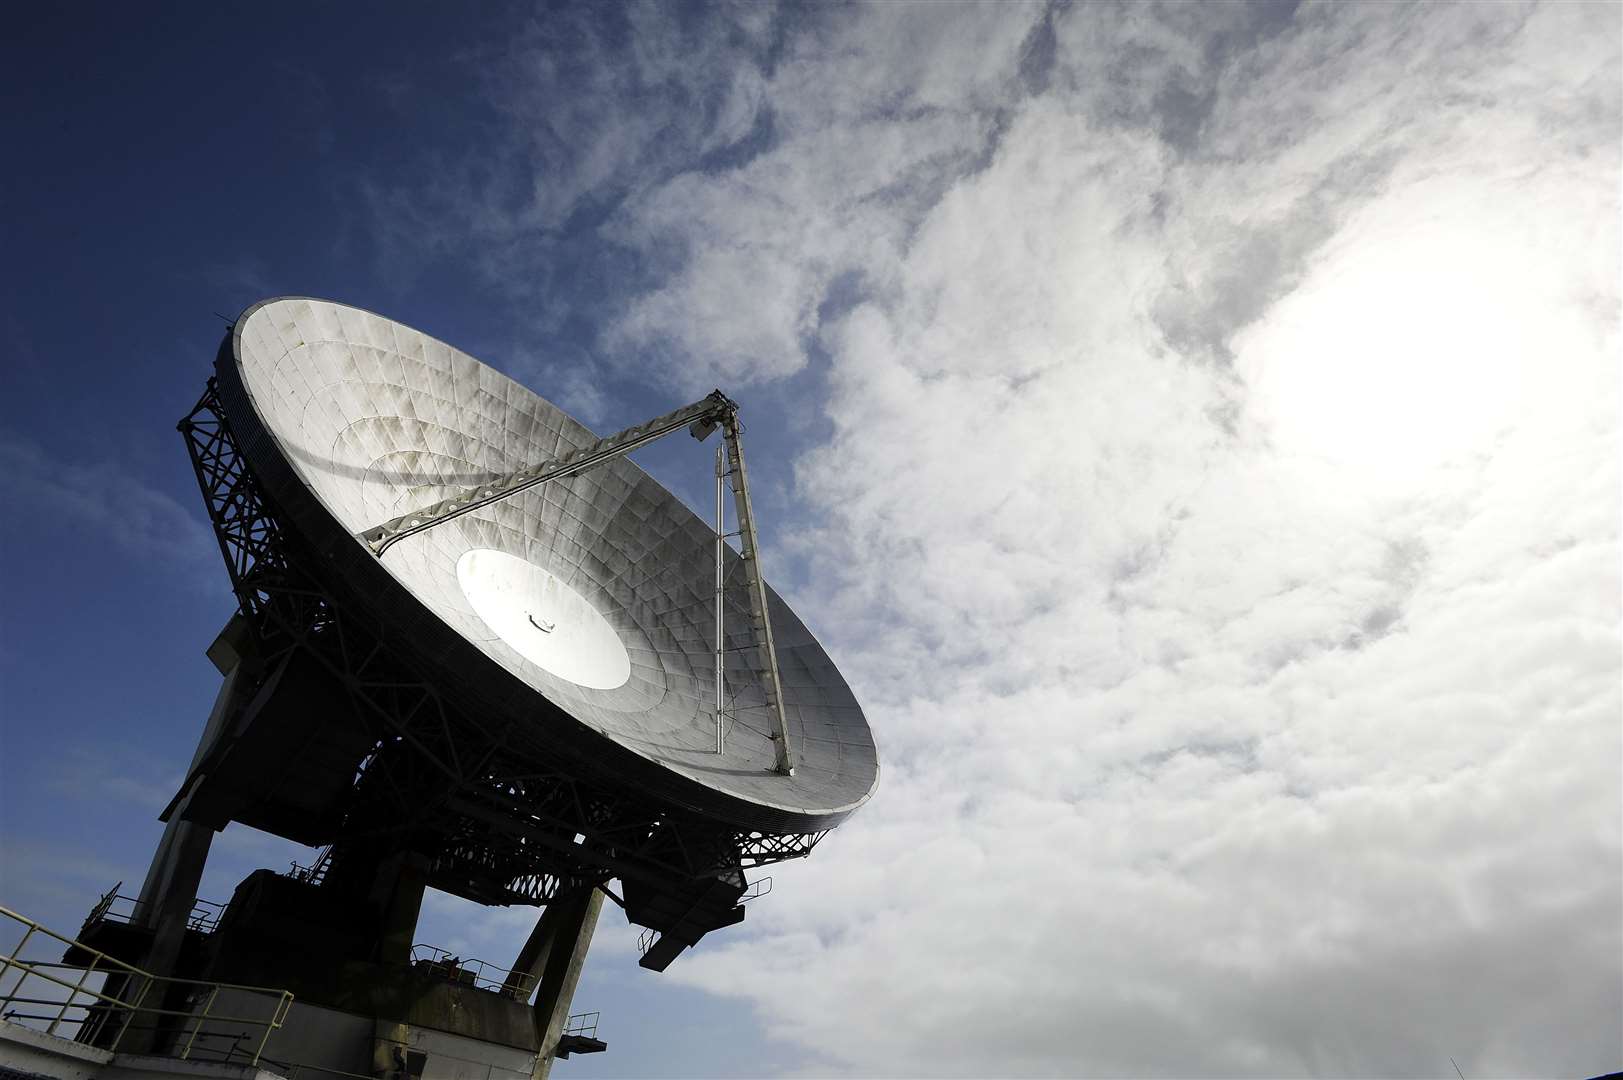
[{"x": 579, "y": 611}]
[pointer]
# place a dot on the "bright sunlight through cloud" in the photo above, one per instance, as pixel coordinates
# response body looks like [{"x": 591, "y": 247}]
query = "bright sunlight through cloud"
[{"x": 1431, "y": 326}]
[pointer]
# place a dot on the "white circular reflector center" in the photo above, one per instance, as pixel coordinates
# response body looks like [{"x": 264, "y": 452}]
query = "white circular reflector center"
[{"x": 545, "y": 621}]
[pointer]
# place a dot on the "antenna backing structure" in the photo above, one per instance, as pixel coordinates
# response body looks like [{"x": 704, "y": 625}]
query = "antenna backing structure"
[{"x": 476, "y": 649}]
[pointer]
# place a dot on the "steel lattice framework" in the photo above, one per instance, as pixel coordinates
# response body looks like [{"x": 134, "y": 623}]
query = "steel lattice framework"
[{"x": 501, "y": 824}]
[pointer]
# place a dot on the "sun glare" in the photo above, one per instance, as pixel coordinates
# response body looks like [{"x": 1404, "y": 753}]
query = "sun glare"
[{"x": 1416, "y": 341}]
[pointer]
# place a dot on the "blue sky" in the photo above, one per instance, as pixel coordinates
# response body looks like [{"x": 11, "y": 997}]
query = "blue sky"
[
  {"x": 188, "y": 162},
  {"x": 1193, "y": 429}
]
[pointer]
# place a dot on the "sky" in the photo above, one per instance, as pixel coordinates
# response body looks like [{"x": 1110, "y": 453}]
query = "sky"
[{"x": 1193, "y": 429}]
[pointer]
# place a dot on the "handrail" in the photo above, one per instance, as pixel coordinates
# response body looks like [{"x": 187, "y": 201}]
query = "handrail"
[
  {"x": 99, "y": 912},
  {"x": 295, "y": 1067},
  {"x": 757, "y": 889},
  {"x": 316, "y": 872},
  {"x": 131, "y": 1003},
  {"x": 582, "y": 1024},
  {"x": 203, "y": 917},
  {"x": 500, "y": 979}
]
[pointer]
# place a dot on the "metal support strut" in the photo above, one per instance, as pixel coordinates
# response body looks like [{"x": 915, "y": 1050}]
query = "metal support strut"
[
  {"x": 700, "y": 416},
  {"x": 721, "y": 547},
  {"x": 784, "y": 761}
]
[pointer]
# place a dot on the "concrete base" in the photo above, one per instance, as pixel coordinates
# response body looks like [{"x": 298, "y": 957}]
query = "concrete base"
[
  {"x": 313, "y": 1042},
  {"x": 28, "y": 1051}
]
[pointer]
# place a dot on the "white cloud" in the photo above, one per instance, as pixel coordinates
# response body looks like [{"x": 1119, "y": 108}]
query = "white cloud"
[
  {"x": 1225, "y": 739},
  {"x": 1219, "y": 518},
  {"x": 124, "y": 509}
]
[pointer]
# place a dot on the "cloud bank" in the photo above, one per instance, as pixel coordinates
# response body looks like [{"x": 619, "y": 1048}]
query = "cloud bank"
[{"x": 1218, "y": 509}]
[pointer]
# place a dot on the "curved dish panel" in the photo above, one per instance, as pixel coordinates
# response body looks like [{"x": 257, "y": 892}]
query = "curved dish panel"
[{"x": 583, "y": 609}]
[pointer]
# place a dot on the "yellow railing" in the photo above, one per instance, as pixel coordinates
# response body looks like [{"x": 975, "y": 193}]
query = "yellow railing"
[{"x": 133, "y": 988}]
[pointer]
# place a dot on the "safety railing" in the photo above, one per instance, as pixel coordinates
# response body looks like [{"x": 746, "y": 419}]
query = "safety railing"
[
  {"x": 99, "y": 912},
  {"x": 316, "y": 872},
  {"x": 757, "y": 889},
  {"x": 116, "y": 907},
  {"x": 293, "y": 1070},
  {"x": 101, "y": 1005},
  {"x": 472, "y": 972},
  {"x": 582, "y": 1024}
]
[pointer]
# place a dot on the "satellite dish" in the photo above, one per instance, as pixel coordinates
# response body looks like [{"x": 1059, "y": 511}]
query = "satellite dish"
[{"x": 579, "y": 612}]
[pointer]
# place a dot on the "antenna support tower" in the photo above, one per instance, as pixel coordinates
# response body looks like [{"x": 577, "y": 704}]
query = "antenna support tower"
[{"x": 529, "y": 685}]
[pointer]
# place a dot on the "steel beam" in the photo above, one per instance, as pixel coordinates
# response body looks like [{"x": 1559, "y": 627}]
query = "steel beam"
[
  {"x": 701, "y": 416},
  {"x": 760, "y": 617}
]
